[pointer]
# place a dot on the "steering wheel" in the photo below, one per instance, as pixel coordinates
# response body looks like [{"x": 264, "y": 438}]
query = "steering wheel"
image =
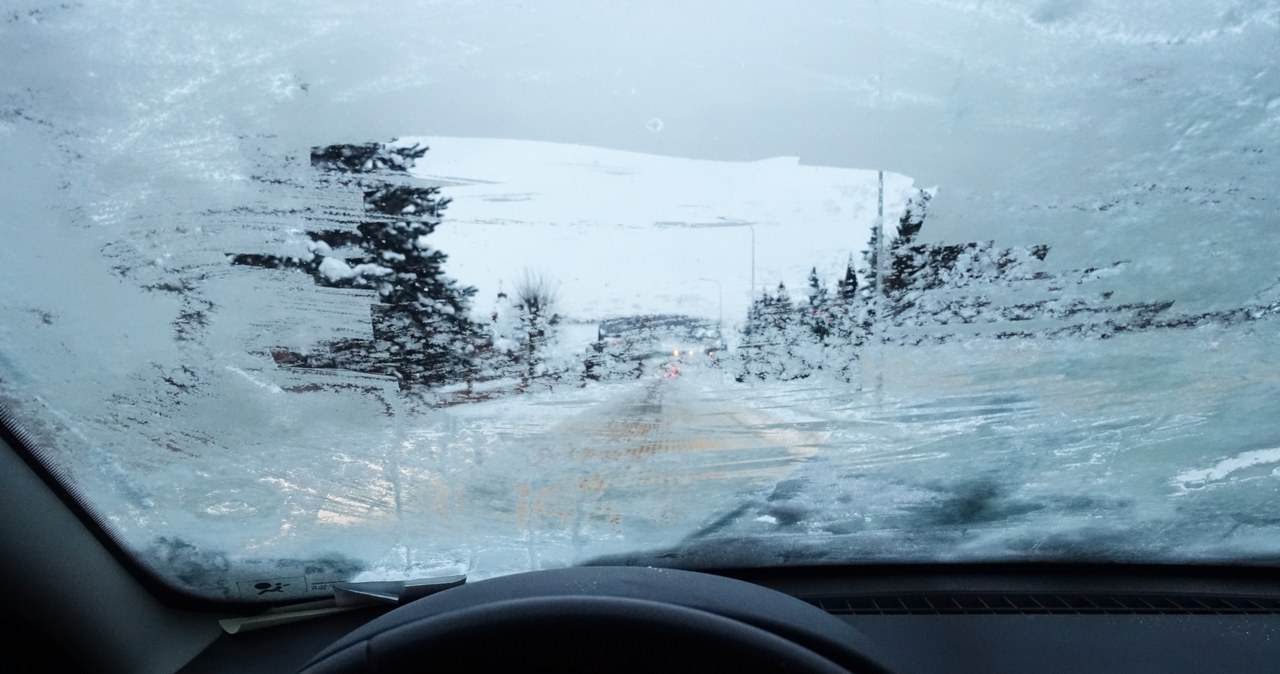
[{"x": 616, "y": 619}]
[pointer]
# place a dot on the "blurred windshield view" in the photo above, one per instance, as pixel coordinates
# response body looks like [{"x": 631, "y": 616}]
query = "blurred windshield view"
[{"x": 302, "y": 292}]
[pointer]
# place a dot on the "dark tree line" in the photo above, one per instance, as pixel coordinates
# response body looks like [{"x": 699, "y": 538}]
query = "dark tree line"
[
  {"x": 824, "y": 331},
  {"x": 818, "y": 332},
  {"x": 424, "y": 335},
  {"x": 933, "y": 292}
]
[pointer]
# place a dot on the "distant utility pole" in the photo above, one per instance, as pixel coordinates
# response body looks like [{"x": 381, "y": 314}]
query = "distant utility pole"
[
  {"x": 880, "y": 294},
  {"x": 879, "y": 251},
  {"x": 879, "y": 237}
]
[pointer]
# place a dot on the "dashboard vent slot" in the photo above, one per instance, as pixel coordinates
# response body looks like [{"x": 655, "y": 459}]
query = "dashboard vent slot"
[{"x": 1069, "y": 604}]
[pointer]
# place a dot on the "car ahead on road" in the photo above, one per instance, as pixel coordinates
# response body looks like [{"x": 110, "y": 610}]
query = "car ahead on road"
[
  {"x": 285, "y": 389},
  {"x": 631, "y": 345}
]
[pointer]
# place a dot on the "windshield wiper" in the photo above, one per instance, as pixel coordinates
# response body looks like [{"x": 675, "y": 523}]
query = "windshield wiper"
[{"x": 346, "y": 597}]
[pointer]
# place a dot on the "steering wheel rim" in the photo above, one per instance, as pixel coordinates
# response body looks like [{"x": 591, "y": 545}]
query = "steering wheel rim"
[{"x": 625, "y": 619}]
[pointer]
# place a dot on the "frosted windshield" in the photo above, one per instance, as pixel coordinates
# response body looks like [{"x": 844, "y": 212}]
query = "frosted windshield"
[{"x": 299, "y": 292}]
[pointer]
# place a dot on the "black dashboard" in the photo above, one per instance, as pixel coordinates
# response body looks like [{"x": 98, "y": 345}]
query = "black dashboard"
[{"x": 961, "y": 619}]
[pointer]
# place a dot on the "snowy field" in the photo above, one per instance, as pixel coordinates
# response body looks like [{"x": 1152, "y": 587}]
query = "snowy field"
[{"x": 624, "y": 233}]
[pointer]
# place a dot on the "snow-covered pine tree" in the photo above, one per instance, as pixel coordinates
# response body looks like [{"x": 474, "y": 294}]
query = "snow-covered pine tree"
[
  {"x": 781, "y": 311},
  {"x": 848, "y": 328},
  {"x": 906, "y": 259},
  {"x": 422, "y": 328},
  {"x": 848, "y": 331},
  {"x": 775, "y": 337},
  {"x": 812, "y": 337},
  {"x": 752, "y": 350},
  {"x": 535, "y": 303},
  {"x": 818, "y": 316},
  {"x": 367, "y": 158},
  {"x": 913, "y": 216},
  {"x": 506, "y": 358},
  {"x": 869, "y": 292},
  {"x": 871, "y": 262},
  {"x": 847, "y": 287}
]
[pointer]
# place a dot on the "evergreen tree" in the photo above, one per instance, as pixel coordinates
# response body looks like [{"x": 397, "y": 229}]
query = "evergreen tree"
[
  {"x": 813, "y": 345},
  {"x": 504, "y": 325},
  {"x": 848, "y": 329},
  {"x": 366, "y": 158},
  {"x": 819, "y": 335},
  {"x": 906, "y": 259},
  {"x": 423, "y": 332},
  {"x": 871, "y": 261},
  {"x": 870, "y": 290},
  {"x": 754, "y": 350},
  {"x": 912, "y": 218},
  {"x": 524, "y": 326},
  {"x": 780, "y": 312},
  {"x": 835, "y": 331},
  {"x": 819, "y": 317},
  {"x": 847, "y": 287},
  {"x": 535, "y": 302},
  {"x": 775, "y": 338}
]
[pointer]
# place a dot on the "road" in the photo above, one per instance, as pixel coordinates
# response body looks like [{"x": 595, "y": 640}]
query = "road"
[
  {"x": 640, "y": 469},
  {"x": 961, "y": 454},
  {"x": 964, "y": 454}
]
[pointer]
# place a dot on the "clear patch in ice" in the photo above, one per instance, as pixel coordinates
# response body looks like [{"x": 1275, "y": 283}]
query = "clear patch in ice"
[{"x": 1198, "y": 479}]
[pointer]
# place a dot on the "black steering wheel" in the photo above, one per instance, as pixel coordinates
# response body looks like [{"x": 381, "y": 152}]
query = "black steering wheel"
[{"x": 614, "y": 619}]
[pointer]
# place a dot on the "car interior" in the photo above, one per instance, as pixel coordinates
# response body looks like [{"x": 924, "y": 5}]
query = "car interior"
[{"x": 886, "y": 336}]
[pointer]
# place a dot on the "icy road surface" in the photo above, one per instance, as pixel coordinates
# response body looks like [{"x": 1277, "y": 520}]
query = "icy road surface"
[{"x": 1018, "y": 451}]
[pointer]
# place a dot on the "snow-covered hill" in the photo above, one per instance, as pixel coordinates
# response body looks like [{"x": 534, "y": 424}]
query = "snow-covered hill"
[{"x": 628, "y": 233}]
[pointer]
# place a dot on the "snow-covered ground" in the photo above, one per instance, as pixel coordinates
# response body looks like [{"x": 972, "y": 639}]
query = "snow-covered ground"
[{"x": 625, "y": 233}]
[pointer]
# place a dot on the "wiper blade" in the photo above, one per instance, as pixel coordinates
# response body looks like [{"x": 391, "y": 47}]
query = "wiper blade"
[
  {"x": 394, "y": 592},
  {"x": 346, "y": 597}
]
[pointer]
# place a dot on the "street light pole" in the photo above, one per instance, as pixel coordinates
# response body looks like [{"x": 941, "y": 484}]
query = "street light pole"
[
  {"x": 880, "y": 249},
  {"x": 880, "y": 303}
]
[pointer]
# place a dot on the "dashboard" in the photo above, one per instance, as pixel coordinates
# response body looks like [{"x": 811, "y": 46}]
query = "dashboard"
[{"x": 960, "y": 620}]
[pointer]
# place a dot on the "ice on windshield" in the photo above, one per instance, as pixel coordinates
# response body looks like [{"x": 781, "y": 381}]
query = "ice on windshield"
[{"x": 302, "y": 293}]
